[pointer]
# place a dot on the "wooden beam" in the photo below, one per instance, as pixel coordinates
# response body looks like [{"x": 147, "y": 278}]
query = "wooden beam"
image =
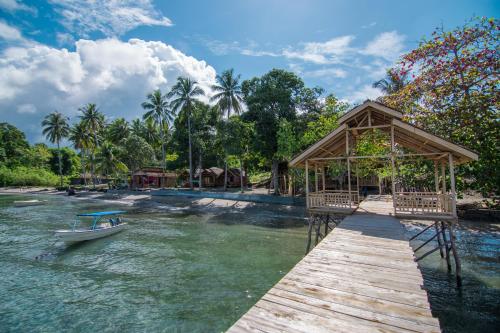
[
  {"x": 436, "y": 176},
  {"x": 452, "y": 186},
  {"x": 443, "y": 175},
  {"x": 307, "y": 183},
  {"x": 393, "y": 166}
]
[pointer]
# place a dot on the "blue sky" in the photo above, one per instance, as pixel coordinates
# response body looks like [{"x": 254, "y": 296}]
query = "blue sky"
[{"x": 62, "y": 54}]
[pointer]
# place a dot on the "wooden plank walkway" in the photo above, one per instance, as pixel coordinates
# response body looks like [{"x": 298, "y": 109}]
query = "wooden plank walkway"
[{"x": 361, "y": 278}]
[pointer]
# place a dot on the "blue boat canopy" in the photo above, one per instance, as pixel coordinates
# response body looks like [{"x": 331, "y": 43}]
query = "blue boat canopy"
[{"x": 113, "y": 212}]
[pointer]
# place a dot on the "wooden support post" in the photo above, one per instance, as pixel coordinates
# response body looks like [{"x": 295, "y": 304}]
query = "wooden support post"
[
  {"x": 443, "y": 176},
  {"x": 446, "y": 247},
  {"x": 309, "y": 232},
  {"x": 323, "y": 177},
  {"x": 458, "y": 265},
  {"x": 369, "y": 117},
  {"x": 316, "y": 177},
  {"x": 393, "y": 166},
  {"x": 440, "y": 243},
  {"x": 307, "y": 184},
  {"x": 348, "y": 166},
  {"x": 436, "y": 176},
  {"x": 357, "y": 182},
  {"x": 452, "y": 186}
]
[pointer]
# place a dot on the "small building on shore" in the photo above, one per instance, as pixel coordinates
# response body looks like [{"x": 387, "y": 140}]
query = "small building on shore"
[
  {"x": 152, "y": 177},
  {"x": 214, "y": 177},
  {"x": 86, "y": 179}
]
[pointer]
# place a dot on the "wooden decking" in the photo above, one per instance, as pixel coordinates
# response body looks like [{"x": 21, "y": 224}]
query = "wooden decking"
[{"x": 361, "y": 278}]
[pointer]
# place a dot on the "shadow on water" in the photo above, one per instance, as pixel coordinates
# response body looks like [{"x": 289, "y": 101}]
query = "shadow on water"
[{"x": 476, "y": 306}]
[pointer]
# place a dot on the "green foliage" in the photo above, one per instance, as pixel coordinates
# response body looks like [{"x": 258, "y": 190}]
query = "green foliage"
[
  {"x": 373, "y": 143},
  {"x": 13, "y": 146},
  {"x": 136, "y": 153},
  {"x": 70, "y": 161},
  {"x": 39, "y": 156},
  {"x": 258, "y": 177},
  {"x": 25, "y": 176},
  {"x": 287, "y": 140},
  {"x": 454, "y": 93}
]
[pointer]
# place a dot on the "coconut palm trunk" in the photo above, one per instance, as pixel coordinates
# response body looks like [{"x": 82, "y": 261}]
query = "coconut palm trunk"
[
  {"x": 60, "y": 164},
  {"x": 241, "y": 176},
  {"x": 162, "y": 136},
  {"x": 200, "y": 176},
  {"x": 190, "y": 154},
  {"x": 225, "y": 174}
]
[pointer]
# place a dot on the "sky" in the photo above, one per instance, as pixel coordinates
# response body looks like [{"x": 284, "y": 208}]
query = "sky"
[{"x": 60, "y": 55}]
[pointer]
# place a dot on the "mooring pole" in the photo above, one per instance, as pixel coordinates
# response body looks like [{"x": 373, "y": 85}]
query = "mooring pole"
[
  {"x": 458, "y": 265},
  {"x": 446, "y": 247},
  {"x": 440, "y": 243}
]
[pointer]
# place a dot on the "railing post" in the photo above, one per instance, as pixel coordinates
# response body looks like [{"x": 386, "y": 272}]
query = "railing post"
[
  {"x": 393, "y": 166},
  {"x": 452, "y": 186},
  {"x": 307, "y": 183}
]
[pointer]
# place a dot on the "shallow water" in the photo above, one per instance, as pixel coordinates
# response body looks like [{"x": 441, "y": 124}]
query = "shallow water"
[
  {"x": 171, "y": 271},
  {"x": 476, "y": 307},
  {"x": 177, "y": 271}
]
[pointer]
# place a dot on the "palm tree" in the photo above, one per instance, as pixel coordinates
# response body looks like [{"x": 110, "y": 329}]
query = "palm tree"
[
  {"x": 185, "y": 92},
  {"x": 107, "y": 163},
  {"x": 55, "y": 128},
  {"x": 151, "y": 132},
  {"x": 229, "y": 99},
  {"x": 392, "y": 83},
  {"x": 158, "y": 110},
  {"x": 137, "y": 127},
  {"x": 81, "y": 140},
  {"x": 118, "y": 130},
  {"x": 93, "y": 121}
]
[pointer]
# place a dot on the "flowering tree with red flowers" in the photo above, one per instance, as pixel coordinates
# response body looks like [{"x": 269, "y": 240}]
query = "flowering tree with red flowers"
[{"x": 454, "y": 92}]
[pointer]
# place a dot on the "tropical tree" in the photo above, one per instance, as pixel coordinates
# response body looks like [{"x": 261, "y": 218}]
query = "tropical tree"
[
  {"x": 136, "y": 153},
  {"x": 229, "y": 98},
  {"x": 392, "y": 83},
  {"x": 94, "y": 123},
  {"x": 82, "y": 140},
  {"x": 56, "y": 128},
  {"x": 118, "y": 130},
  {"x": 184, "y": 93},
  {"x": 158, "y": 111},
  {"x": 454, "y": 93},
  {"x": 107, "y": 162},
  {"x": 137, "y": 127}
]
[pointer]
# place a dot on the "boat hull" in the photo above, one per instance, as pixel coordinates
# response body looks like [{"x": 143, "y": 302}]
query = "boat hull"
[{"x": 72, "y": 236}]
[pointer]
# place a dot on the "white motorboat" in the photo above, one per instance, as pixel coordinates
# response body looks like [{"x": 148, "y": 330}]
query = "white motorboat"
[
  {"x": 25, "y": 203},
  {"x": 103, "y": 224}
]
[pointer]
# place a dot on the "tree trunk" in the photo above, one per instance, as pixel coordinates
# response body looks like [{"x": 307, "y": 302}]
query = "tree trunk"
[
  {"x": 94, "y": 178},
  {"x": 275, "y": 177},
  {"x": 190, "y": 155},
  {"x": 162, "y": 137},
  {"x": 241, "y": 176},
  {"x": 225, "y": 174},
  {"x": 82, "y": 161},
  {"x": 60, "y": 164},
  {"x": 200, "y": 178}
]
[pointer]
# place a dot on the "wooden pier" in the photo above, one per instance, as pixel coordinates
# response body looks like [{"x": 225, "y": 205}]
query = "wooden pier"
[{"x": 362, "y": 277}]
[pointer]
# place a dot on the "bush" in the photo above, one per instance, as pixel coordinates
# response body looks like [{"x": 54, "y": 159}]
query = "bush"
[{"x": 24, "y": 176}]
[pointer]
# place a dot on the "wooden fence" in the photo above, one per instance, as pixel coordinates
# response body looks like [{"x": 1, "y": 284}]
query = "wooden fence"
[{"x": 334, "y": 199}]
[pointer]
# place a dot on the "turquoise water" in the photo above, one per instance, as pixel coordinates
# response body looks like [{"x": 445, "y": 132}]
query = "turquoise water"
[
  {"x": 173, "y": 271},
  {"x": 180, "y": 271},
  {"x": 475, "y": 308}
]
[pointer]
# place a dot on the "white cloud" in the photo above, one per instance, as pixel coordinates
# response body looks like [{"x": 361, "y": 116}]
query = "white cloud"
[
  {"x": 327, "y": 72},
  {"x": 14, "y": 5},
  {"x": 364, "y": 93},
  {"x": 218, "y": 47},
  {"x": 64, "y": 38},
  {"x": 387, "y": 45},
  {"x": 9, "y": 33},
  {"x": 115, "y": 75},
  {"x": 329, "y": 52},
  {"x": 367, "y": 26},
  {"x": 112, "y": 18},
  {"x": 26, "y": 108}
]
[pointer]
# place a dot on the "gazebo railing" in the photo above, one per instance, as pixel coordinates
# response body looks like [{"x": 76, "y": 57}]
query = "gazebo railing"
[
  {"x": 333, "y": 199},
  {"x": 423, "y": 203}
]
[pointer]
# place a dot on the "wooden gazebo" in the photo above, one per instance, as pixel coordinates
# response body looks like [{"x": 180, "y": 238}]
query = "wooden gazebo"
[{"x": 406, "y": 142}]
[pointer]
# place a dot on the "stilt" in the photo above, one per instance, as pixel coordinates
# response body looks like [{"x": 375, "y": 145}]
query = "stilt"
[
  {"x": 440, "y": 243},
  {"x": 458, "y": 265},
  {"x": 317, "y": 220},
  {"x": 309, "y": 234},
  {"x": 446, "y": 247}
]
